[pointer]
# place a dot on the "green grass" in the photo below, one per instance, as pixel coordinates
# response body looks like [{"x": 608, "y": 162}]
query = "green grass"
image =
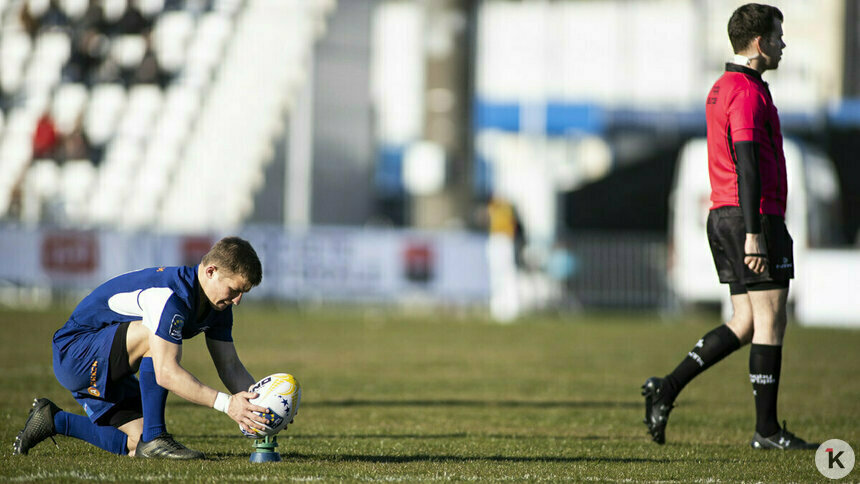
[{"x": 442, "y": 397}]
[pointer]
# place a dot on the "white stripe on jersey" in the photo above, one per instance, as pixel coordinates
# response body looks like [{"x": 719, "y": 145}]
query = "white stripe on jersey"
[
  {"x": 148, "y": 304},
  {"x": 125, "y": 303}
]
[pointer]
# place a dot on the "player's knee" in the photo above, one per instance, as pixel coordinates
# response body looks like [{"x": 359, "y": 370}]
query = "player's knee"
[{"x": 743, "y": 330}]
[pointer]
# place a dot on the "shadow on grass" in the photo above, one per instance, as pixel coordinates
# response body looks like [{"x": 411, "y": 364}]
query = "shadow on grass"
[
  {"x": 455, "y": 403},
  {"x": 458, "y": 435},
  {"x": 405, "y": 459},
  {"x": 475, "y": 403}
]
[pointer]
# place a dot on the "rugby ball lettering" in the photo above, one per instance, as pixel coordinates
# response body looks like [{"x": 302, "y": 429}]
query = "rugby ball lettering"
[{"x": 281, "y": 395}]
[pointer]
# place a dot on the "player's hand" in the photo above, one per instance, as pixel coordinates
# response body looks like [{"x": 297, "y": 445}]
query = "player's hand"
[
  {"x": 755, "y": 253},
  {"x": 242, "y": 411}
]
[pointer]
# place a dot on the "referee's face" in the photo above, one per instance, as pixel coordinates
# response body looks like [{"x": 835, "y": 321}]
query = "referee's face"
[{"x": 771, "y": 46}]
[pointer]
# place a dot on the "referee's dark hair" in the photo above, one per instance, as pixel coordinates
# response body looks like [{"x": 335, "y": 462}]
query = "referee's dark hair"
[{"x": 750, "y": 21}]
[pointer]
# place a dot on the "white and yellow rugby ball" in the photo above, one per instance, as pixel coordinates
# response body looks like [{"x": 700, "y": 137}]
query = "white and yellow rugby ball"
[{"x": 281, "y": 394}]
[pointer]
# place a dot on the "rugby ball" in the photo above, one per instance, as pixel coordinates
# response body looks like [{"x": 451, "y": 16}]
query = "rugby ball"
[{"x": 280, "y": 394}]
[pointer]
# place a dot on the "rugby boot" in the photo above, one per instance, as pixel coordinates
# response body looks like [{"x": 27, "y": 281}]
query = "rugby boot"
[
  {"x": 782, "y": 440},
  {"x": 656, "y": 409},
  {"x": 38, "y": 427},
  {"x": 165, "y": 447}
]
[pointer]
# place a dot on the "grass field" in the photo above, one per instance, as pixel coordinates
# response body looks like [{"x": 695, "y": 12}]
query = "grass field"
[{"x": 441, "y": 397}]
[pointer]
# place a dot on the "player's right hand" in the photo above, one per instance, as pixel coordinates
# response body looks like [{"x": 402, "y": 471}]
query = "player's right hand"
[
  {"x": 755, "y": 253},
  {"x": 242, "y": 411}
]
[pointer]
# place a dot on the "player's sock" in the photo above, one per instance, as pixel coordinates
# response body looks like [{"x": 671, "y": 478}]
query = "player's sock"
[
  {"x": 80, "y": 427},
  {"x": 765, "y": 365},
  {"x": 713, "y": 347},
  {"x": 154, "y": 398}
]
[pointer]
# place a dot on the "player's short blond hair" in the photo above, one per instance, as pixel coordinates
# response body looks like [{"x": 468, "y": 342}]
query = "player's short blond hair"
[{"x": 236, "y": 256}]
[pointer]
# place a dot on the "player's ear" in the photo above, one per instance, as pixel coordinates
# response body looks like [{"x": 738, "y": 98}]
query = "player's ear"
[
  {"x": 756, "y": 42},
  {"x": 210, "y": 270}
]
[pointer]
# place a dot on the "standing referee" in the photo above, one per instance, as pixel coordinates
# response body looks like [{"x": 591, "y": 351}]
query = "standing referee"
[{"x": 751, "y": 247}]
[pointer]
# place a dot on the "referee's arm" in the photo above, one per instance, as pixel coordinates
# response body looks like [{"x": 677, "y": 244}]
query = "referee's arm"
[{"x": 749, "y": 198}]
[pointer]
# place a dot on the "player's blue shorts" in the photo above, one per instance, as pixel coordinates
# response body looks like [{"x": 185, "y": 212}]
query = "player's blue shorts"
[{"x": 82, "y": 359}]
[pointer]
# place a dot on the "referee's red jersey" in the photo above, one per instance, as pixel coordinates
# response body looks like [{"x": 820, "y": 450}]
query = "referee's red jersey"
[{"x": 740, "y": 108}]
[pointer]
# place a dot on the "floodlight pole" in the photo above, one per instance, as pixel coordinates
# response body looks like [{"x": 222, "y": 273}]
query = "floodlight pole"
[{"x": 264, "y": 450}]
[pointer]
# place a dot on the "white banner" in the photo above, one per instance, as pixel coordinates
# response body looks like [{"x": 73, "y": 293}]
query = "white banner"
[{"x": 337, "y": 264}]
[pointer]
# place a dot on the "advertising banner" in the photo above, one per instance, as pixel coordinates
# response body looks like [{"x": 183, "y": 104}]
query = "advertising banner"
[{"x": 320, "y": 264}]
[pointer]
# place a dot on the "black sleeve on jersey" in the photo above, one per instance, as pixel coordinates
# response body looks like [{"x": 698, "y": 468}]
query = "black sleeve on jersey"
[{"x": 749, "y": 184}]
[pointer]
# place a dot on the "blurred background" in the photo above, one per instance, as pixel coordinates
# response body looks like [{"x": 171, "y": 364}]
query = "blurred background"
[{"x": 504, "y": 156}]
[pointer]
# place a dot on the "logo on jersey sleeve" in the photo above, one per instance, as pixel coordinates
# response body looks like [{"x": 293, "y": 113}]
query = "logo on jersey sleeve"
[{"x": 176, "y": 326}]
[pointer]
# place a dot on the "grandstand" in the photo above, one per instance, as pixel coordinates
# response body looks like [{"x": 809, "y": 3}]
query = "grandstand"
[{"x": 132, "y": 114}]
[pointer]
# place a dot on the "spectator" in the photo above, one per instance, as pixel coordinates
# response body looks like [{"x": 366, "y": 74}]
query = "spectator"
[
  {"x": 74, "y": 145},
  {"x": 45, "y": 139}
]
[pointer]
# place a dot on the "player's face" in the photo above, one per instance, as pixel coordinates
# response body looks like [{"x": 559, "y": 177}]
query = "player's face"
[
  {"x": 771, "y": 46},
  {"x": 225, "y": 289}
]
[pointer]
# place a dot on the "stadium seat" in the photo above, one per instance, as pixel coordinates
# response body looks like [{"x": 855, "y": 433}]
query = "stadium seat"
[
  {"x": 169, "y": 38},
  {"x": 128, "y": 50},
  {"x": 144, "y": 102},
  {"x": 42, "y": 183},
  {"x": 15, "y": 152},
  {"x": 55, "y": 46},
  {"x": 106, "y": 102},
  {"x": 15, "y": 47},
  {"x": 76, "y": 180},
  {"x": 68, "y": 106},
  {"x": 74, "y": 9},
  {"x": 150, "y": 139},
  {"x": 22, "y": 121}
]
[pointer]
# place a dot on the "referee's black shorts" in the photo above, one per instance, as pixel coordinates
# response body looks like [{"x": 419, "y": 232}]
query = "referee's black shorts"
[{"x": 726, "y": 235}]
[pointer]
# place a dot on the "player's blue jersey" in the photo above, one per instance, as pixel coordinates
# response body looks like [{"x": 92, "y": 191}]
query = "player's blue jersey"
[{"x": 165, "y": 298}]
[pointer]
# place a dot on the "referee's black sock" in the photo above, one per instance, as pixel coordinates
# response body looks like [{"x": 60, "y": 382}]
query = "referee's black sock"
[
  {"x": 713, "y": 347},
  {"x": 765, "y": 365}
]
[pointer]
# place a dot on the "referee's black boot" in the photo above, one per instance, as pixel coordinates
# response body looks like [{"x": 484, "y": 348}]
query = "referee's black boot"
[
  {"x": 656, "y": 409},
  {"x": 38, "y": 427},
  {"x": 782, "y": 440}
]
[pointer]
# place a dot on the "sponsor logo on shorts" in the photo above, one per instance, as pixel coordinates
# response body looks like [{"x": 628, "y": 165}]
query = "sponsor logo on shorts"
[
  {"x": 94, "y": 372},
  {"x": 834, "y": 459},
  {"x": 176, "y": 326},
  {"x": 785, "y": 264}
]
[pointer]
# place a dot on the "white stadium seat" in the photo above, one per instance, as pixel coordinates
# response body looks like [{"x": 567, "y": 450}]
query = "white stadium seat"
[
  {"x": 128, "y": 50},
  {"x": 15, "y": 48},
  {"x": 76, "y": 180},
  {"x": 170, "y": 37},
  {"x": 68, "y": 106},
  {"x": 42, "y": 183},
  {"x": 106, "y": 103},
  {"x": 162, "y": 145}
]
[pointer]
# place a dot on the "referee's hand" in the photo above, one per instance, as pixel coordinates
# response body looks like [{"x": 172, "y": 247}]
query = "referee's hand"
[{"x": 755, "y": 253}]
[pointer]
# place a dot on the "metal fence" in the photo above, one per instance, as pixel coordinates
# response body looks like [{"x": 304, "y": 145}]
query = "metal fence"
[{"x": 619, "y": 270}]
